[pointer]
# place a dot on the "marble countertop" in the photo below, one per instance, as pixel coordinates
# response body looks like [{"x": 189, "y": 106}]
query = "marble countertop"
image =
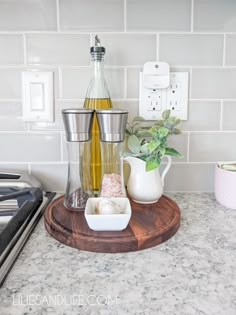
[{"x": 192, "y": 273}]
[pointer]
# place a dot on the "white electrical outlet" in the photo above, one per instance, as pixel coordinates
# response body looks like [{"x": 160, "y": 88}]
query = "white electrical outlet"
[
  {"x": 150, "y": 102},
  {"x": 153, "y": 102},
  {"x": 177, "y": 94}
]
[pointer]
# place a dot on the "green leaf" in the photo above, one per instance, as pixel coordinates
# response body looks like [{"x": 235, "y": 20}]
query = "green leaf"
[
  {"x": 176, "y": 131},
  {"x": 158, "y": 122},
  {"x": 144, "y": 148},
  {"x": 153, "y": 144},
  {"x": 125, "y": 154},
  {"x": 152, "y": 164},
  {"x": 144, "y": 134},
  {"x": 134, "y": 144},
  {"x": 162, "y": 151},
  {"x": 138, "y": 118},
  {"x": 163, "y": 132},
  {"x": 177, "y": 121},
  {"x": 166, "y": 114},
  {"x": 173, "y": 152}
]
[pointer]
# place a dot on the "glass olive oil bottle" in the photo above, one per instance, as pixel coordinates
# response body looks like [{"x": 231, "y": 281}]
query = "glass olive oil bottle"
[{"x": 97, "y": 97}]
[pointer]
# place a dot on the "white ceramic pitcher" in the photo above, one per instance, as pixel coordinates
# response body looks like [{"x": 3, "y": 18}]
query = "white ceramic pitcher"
[{"x": 145, "y": 187}]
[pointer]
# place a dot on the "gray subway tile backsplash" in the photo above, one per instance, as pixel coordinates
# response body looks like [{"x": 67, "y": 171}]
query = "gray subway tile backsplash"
[
  {"x": 180, "y": 143},
  {"x": 133, "y": 82},
  {"x": 129, "y": 49},
  {"x": 203, "y": 115},
  {"x": 89, "y": 15},
  {"x": 25, "y": 15},
  {"x": 30, "y": 147},
  {"x": 62, "y": 49},
  {"x": 158, "y": 15},
  {"x": 131, "y": 106},
  {"x": 229, "y": 114},
  {"x": 11, "y": 116},
  {"x": 190, "y": 177},
  {"x": 76, "y": 81},
  {"x": 212, "y": 147},
  {"x": 230, "y": 57},
  {"x": 215, "y": 83},
  {"x": 214, "y": 15},
  {"x": 191, "y": 49},
  {"x": 11, "y": 51},
  {"x": 55, "y": 35},
  {"x": 10, "y": 83}
]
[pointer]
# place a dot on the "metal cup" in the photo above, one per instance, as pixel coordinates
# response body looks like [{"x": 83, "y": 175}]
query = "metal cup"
[
  {"x": 112, "y": 124},
  {"x": 78, "y": 124}
]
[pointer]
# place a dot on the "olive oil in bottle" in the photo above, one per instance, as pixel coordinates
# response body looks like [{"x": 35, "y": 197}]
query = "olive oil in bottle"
[{"x": 97, "y": 97}]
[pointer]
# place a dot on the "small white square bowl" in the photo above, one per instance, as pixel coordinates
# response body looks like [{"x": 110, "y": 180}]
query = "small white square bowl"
[{"x": 108, "y": 222}]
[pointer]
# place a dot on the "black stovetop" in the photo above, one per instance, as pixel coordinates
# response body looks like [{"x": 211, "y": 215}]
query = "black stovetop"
[{"x": 21, "y": 206}]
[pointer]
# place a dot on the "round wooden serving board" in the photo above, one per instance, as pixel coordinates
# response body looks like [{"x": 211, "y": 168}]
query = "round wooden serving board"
[{"x": 149, "y": 226}]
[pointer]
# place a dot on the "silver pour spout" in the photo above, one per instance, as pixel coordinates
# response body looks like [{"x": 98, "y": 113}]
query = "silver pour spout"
[{"x": 97, "y": 41}]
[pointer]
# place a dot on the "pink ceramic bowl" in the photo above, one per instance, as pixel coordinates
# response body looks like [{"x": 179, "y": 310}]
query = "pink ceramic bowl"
[{"x": 225, "y": 187}]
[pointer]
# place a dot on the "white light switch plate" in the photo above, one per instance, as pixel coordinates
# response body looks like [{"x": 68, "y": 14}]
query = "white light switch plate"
[
  {"x": 37, "y": 92},
  {"x": 152, "y": 102}
]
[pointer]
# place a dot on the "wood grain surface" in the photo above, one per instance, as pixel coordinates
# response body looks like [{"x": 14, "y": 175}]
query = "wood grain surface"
[{"x": 149, "y": 226}]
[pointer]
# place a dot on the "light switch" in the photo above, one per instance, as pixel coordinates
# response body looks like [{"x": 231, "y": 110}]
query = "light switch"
[
  {"x": 37, "y": 91},
  {"x": 37, "y": 96}
]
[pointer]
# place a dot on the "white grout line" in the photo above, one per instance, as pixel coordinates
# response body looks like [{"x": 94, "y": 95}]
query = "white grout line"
[
  {"x": 62, "y": 155},
  {"x": 125, "y": 83},
  {"x": 125, "y": 15},
  {"x": 211, "y": 131},
  {"x": 188, "y": 67},
  {"x": 152, "y": 32},
  {"x": 188, "y": 146},
  {"x": 190, "y": 83},
  {"x": 193, "y": 163},
  {"x": 192, "y": 15},
  {"x": 10, "y": 100},
  {"x": 82, "y": 99},
  {"x": 224, "y": 50},
  {"x": 24, "y": 49},
  {"x": 91, "y": 38},
  {"x": 33, "y": 132},
  {"x": 212, "y": 99},
  {"x": 188, "y": 191},
  {"x": 204, "y": 67},
  {"x": 11, "y": 162},
  {"x": 46, "y": 163},
  {"x": 58, "y": 131},
  {"x": 58, "y": 15},
  {"x": 221, "y": 115},
  {"x": 65, "y": 162},
  {"x": 33, "y": 163}
]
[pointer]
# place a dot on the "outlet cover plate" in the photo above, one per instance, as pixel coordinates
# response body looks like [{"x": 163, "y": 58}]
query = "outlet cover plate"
[{"x": 152, "y": 102}]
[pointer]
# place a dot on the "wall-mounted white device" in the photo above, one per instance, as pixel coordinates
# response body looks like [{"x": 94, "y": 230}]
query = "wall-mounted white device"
[
  {"x": 37, "y": 92},
  {"x": 160, "y": 89}
]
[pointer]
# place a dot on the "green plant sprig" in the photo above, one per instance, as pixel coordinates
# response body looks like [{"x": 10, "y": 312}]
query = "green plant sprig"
[{"x": 149, "y": 143}]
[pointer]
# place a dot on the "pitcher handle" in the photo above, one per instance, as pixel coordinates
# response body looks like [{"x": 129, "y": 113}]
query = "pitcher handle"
[{"x": 166, "y": 169}]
